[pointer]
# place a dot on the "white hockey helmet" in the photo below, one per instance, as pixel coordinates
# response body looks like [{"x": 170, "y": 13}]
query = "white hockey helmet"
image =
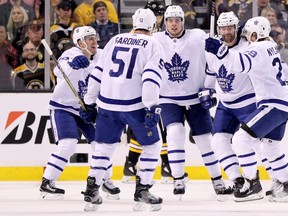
[
  {"x": 144, "y": 19},
  {"x": 81, "y": 32},
  {"x": 174, "y": 11},
  {"x": 227, "y": 19},
  {"x": 259, "y": 25}
]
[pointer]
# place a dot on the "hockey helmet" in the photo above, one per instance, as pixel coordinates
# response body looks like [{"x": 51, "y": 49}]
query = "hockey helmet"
[
  {"x": 144, "y": 19},
  {"x": 81, "y": 32},
  {"x": 259, "y": 25}
]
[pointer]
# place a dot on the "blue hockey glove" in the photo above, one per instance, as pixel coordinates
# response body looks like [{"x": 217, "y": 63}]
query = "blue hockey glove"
[
  {"x": 89, "y": 116},
  {"x": 216, "y": 47},
  {"x": 152, "y": 116},
  {"x": 206, "y": 98},
  {"x": 80, "y": 61}
]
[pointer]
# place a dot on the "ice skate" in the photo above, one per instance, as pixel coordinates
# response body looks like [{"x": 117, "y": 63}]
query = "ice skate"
[
  {"x": 279, "y": 192},
  {"x": 251, "y": 190},
  {"x": 223, "y": 193},
  {"x": 143, "y": 198},
  {"x": 179, "y": 187},
  {"x": 50, "y": 191},
  {"x": 111, "y": 191},
  {"x": 273, "y": 185},
  {"x": 129, "y": 172},
  {"x": 91, "y": 195}
]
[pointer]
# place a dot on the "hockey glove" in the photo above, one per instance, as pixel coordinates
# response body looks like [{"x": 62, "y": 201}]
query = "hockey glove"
[
  {"x": 79, "y": 62},
  {"x": 89, "y": 116},
  {"x": 206, "y": 98},
  {"x": 216, "y": 47},
  {"x": 152, "y": 116}
]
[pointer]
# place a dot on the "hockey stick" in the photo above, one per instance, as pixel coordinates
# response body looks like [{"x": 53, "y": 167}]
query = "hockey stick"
[
  {"x": 212, "y": 19},
  {"x": 49, "y": 51}
]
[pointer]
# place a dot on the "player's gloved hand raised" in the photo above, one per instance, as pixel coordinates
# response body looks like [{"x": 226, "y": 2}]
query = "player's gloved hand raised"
[
  {"x": 216, "y": 47},
  {"x": 80, "y": 61},
  {"x": 152, "y": 116},
  {"x": 89, "y": 116},
  {"x": 206, "y": 98}
]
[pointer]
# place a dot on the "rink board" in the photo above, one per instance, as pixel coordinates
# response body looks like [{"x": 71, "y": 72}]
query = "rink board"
[{"x": 26, "y": 142}]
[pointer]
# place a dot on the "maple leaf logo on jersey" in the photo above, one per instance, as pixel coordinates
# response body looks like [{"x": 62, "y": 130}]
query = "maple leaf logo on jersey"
[
  {"x": 177, "y": 71},
  {"x": 225, "y": 81},
  {"x": 82, "y": 86}
]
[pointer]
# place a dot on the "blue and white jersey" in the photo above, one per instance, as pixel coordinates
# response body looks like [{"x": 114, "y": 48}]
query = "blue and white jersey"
[
  {"x": 63, "y": 97},
  {"x": 128, "y": 75},
  {"x": 262, "y": 62},
  {"x": 183, "y": 65},
  {"x": 233, "y": 89}
]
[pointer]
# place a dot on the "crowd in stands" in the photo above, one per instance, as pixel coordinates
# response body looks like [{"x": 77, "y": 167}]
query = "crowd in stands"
[{"x": 22, "y": 24}]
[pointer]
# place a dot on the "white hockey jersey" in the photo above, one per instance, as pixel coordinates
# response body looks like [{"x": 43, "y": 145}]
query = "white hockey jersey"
[
  {"x": 262, "y": 62},
  {"x": 233, "y": 89},
  {"x": 184, "y": 66},
  {"x": 128, "y": 75},
  {"x": 63, "y": 97}
]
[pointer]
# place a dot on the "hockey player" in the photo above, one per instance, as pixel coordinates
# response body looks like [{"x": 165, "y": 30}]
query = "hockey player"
[
  {"x": 64, "y": 108},
  {"x": 261, "y": 61},
  {"x": 236, "y": 101},
  {"x": 125, "y": 86},
  {"x": 184, "y": 74},
  {"x": 135, "y": 149}
]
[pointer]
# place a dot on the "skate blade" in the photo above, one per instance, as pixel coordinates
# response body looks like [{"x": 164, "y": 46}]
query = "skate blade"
[
  {"x": 49, "y": 196},
  {"x": 253, "y": 197},
  {"x": 141, "y": 207},
  {"x": 90, "y": 207},
  {"x": 179, "y": 196},
  {"x": 112, "y": 196},
  {"x": 278, "y": 199},
  {"x": 128, "y": 179},
  {"x": 223, "y": 198}
]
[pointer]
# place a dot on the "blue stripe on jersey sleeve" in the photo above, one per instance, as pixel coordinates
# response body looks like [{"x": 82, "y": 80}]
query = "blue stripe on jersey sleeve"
[
  {"x": 119, "y": 102},
  {"x": 151, "y": 80},
  {"x": 95, "y": 78},
  {"x": 151, "y": 70},
  {"x": 99, "y": 68},
  {"x": 210, "y": 73},
  {"x": 242, "y": 62},
  {"x": 250, "y": 62}
]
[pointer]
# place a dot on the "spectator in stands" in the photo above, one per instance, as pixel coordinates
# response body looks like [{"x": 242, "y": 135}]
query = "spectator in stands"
[
  {"x": 7, "y": 7},
  {"x": 270, "y": 14},
  {"x": 8, "y": 60},
  {"x": 53, "y": 11},
  {"x": 105, "y": 29},
  {"x": 54, "y": 15},
  {"x": 18, "y": 17},
  {"x": 83, "y": 14},
  {"x": 243, "y": 8},
  {"x": 34, "y": 33},
  {"x": 158, "y": 9},
  {"x": 61, "y": 31},
  {"x": 189, "y": 13},
  {"x": 278, "y": 35},
  {"x": 31, "y": 74}
]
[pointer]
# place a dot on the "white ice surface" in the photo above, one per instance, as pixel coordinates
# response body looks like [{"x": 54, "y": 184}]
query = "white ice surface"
[{"x": 23, "y": 199}]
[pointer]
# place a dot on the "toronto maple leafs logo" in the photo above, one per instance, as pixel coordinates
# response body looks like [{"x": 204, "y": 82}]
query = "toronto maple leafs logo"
[
  {"x": 177, "y": 71},
  {"x": 225, "y": 81},
  {"x": 82, "y": 87}
]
